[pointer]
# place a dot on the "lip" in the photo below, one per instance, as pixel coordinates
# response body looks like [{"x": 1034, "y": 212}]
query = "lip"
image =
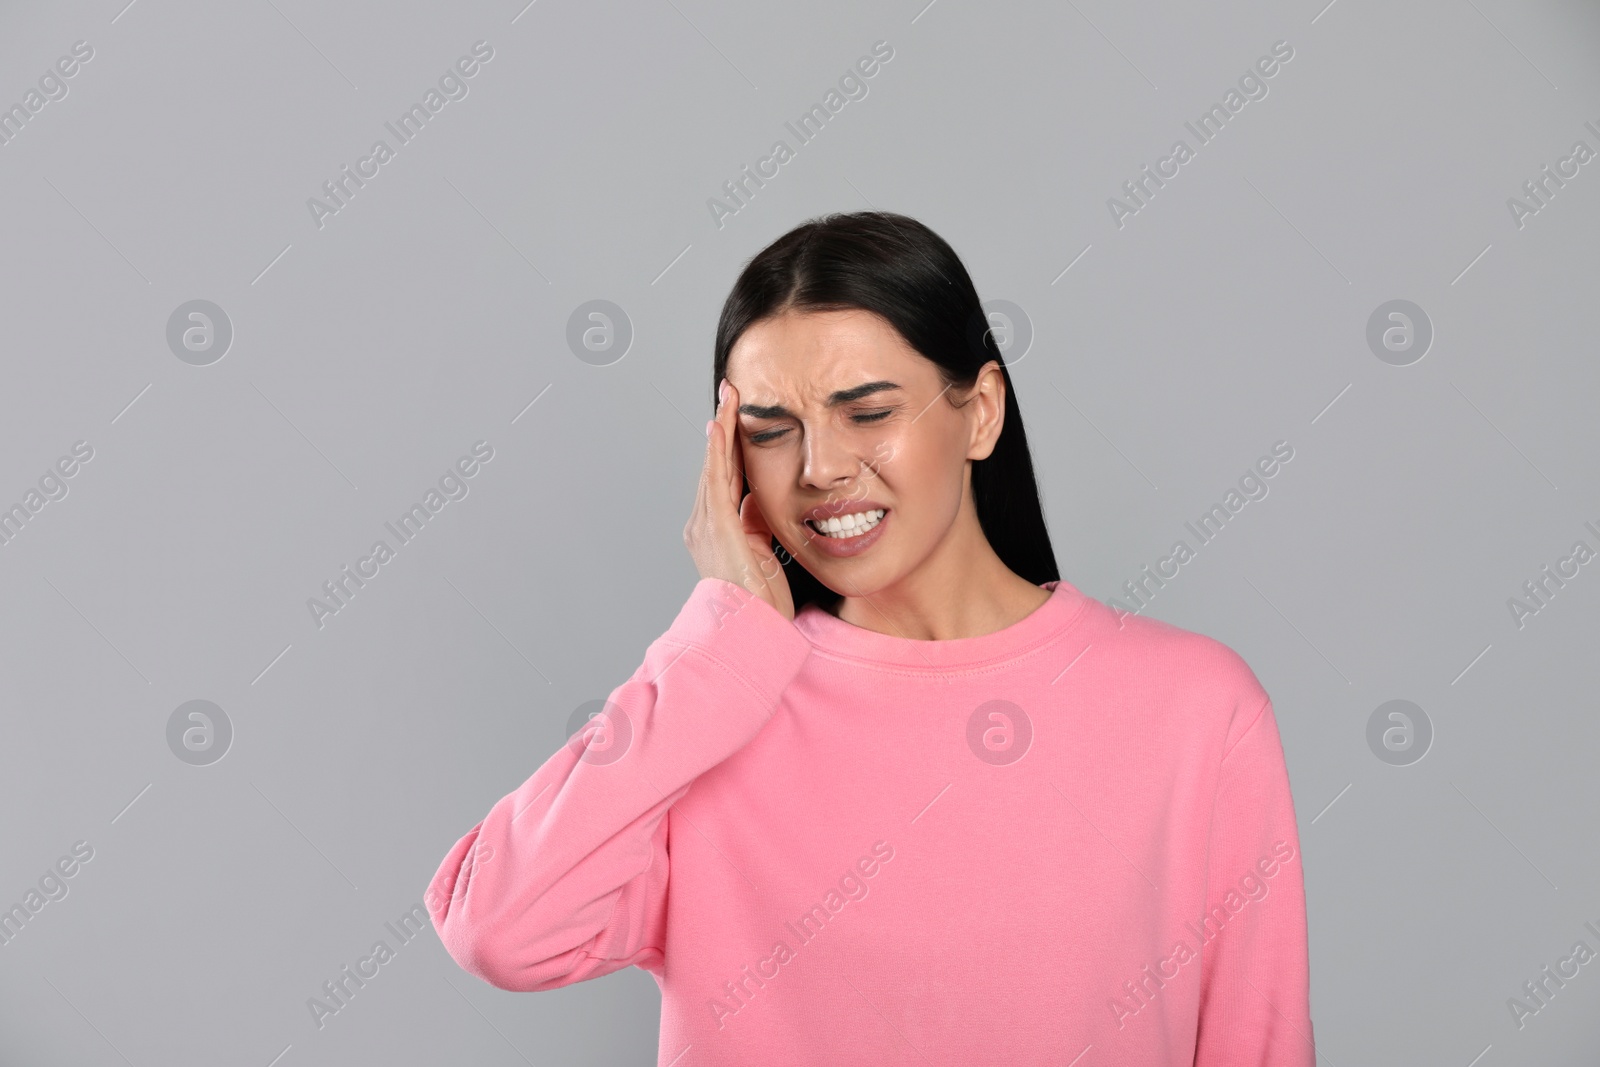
[{"x": 844, "y": 547}]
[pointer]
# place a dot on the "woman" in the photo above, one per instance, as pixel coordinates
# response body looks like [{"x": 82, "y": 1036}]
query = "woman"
[{"x": 888, "y": 790}]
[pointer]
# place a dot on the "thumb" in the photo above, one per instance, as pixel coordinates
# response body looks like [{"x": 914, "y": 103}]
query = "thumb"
[
  {"x": 750, "y": 516},
  {"x": 758, "y": 535}
]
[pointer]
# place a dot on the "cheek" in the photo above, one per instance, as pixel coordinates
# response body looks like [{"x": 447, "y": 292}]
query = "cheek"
[
  {"x": 761, "y": 470},
  {"x": 767, "y": 483},
  {"x": 923, "y": 472},
  {"x": 916, "y": 462},
  {"x": 895, "y": 450}
]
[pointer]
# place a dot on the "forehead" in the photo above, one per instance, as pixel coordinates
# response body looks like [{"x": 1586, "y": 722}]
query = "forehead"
[{"x": 803, "y": 356}]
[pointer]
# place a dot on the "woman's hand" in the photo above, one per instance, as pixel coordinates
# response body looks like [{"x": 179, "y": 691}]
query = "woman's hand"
[{"x": 728, "y": 538}]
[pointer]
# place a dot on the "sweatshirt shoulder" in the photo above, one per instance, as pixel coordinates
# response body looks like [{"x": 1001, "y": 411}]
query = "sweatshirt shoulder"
[{"x": 1199, "y": 668}]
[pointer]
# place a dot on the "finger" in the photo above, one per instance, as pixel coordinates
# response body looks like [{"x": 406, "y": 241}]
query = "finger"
[
  {"x": 722, "y": 471},
  {"x": 727, "y": 406},
  {"x": 702, "y": 497},
  {"x": 728, "y": 415},
  {"x": 700, "y": 492},
  {"x": 713, "y": 477},
  {"x": 758, "y": 529},
  {"x": 751, "y": 518}
]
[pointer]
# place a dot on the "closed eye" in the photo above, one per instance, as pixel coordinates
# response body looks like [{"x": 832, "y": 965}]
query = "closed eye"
[{"x": 864, "y": 419}]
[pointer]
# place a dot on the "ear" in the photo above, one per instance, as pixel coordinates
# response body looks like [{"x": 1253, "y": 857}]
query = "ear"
[{"x": 987, "y": 410}]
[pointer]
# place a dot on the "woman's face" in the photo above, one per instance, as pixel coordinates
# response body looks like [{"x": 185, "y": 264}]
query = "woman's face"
[{"x": 839, "y": 416}]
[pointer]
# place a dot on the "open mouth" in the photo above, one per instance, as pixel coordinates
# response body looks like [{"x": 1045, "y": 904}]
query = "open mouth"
[{"x": 845, "y": 527}]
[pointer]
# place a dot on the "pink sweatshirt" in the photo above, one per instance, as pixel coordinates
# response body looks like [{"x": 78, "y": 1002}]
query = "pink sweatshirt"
[{"x": 1072, "y": 837}]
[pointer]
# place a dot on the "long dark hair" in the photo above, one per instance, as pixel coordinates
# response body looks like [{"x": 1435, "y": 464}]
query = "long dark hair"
[{"x": 896, "y": 267}]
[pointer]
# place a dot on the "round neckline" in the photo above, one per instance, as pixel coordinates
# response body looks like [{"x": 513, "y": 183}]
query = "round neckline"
[{"x": 829, "y": 633}]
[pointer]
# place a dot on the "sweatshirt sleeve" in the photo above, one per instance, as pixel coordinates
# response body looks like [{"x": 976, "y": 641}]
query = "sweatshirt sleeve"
[
  {"x": 1255, "y": 998},
  {"x": 566, "y": 877}
]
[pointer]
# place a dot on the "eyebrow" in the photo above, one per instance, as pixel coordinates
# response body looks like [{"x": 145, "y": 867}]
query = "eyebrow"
[{"x": 841, "y": 396}]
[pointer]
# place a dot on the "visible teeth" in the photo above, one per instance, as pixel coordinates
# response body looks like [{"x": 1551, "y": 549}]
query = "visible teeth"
[{"x": 852, "y": 525}]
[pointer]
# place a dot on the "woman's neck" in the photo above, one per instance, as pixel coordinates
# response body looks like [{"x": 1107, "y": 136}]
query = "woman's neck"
[{"x": 944, "y": 600}]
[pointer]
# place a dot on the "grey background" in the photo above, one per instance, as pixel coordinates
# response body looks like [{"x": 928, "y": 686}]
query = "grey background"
[{"x": 368, "y": 355}]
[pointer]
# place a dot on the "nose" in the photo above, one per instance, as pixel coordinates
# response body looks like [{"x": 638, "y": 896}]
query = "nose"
[{"x": 829, "y": 462}]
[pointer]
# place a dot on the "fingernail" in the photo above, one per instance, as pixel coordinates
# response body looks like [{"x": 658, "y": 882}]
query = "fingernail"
[
  {"x": 722, "y": 391},
  {"x": 710, "y": 423}
]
